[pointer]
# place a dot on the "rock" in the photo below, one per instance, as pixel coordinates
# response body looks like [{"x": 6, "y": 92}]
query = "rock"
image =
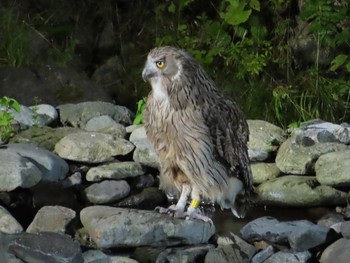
[
  {"x": 47, "y": 110},
  {"x": 299, "y": 191},
  {"x": 116, "y": 130},
  {"x": 73, "y": 180},
  {"x": 149, "y": 198},
  {"x": 184, "y": 254},
  {"x": 257, "y": 155},
  {"x": 143, "y": 181},
  {"x": 345, "y": 229},
  {"x": 52, "y": 167},
  {"x": 339, "y": 251},
  {"x": 146, "y": 156},
  {"x": 264, "y": 171},
  {"x": 115, "y": 170},
  {"x": 333, "y": 168},
  {"x": 17, "y": 171},
  {"x": 8, "y": 224},
  {"x": 97, "y": 256},
  {"x": 293, "y": 158},
  {"x": 107, "y": 191},
  {"x": 51, "y": 219},
  {"x": 9, "y": 258},
  {"x": 138, "y": 136},
  {"x": 289, "y": 257},
  {"x": 330, "y": 219},
  {"x": 147, "y": 254},
  {"x": 43, "y": 137},
  {"x": 115, "y": 227},
  {"x": 262, "y": 255},
  {"x": 230, "y": 249},
  {"x": 264, "y": 135},
  {"x": 106, "y": 123},
  {"x": 92, "y": 147},
  {"x": 46, "y": 247},
  {"x": 79, "y": 114}
]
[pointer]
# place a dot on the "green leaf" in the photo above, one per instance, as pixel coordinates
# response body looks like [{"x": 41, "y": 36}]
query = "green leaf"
[
  {"x": 235, "y": 13},
  {"x": 14, "y": 105},
  {"x": 172, "y": 8},
  {"x": 182, "y": 27},
  {"x": 138, "y": 119},
  {"x": 338, "y": 61},
  {"x": 255, "y": 4},
  {"x": 348, "y": 67}
]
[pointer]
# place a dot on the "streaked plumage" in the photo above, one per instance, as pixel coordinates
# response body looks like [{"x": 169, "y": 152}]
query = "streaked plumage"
[{"x": 199, "y": 135}]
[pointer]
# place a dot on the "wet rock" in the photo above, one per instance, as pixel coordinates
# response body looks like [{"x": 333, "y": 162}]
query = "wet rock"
[
  {"x": 79, "y": 114},
  {"x": 333, "y": 168},
  {"x": 115, "y": 227},
  {"x": 264, "y": 135},
  {"x": 262, "y": 255},
  {"x": 289, "y": 257},
  {"x": 92, "y": 147},
  {"x": 8, "y": 224},
  {"x": 339, "y": 251},
  {"x": 114, "y": 170},
  {"x": 51, "y": 219},
  {"x": 46, "y": 247},
  {"x": 293, "y": 158},
  {"x": 107, "y": 191},
  {"x": 17, "y": 171},
  {"x": 184, "y": 254},
  {"x": 299, "y": 191},
  {"x": 257, "y": 155},
  {"x": 43, "y": 137},
  {"x": 52, "y": 167},
  {"x": 230, "y": 249},
  {"x": 149, "y": 198},
  {"x": 264, "y": 171}
]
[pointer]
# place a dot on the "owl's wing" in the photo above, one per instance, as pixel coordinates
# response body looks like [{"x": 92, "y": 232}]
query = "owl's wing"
[{"x": 229, "y": 132}]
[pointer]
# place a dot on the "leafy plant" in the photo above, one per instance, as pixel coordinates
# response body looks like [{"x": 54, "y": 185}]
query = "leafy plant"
[
  {"x": 6, "y": 117},
  {"x": 140, "y": 107}
]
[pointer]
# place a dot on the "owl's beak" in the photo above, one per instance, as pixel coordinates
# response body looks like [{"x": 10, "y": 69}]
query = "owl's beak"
[{"x": 148, "y": 72}]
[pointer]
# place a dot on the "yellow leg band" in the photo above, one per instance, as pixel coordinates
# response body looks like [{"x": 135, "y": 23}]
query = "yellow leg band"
[{"x": 195, "y": 203}]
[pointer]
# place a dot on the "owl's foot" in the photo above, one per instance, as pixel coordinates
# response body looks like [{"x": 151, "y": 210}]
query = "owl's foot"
[
  {"x": 193, "y": 214},
  {"x": 173, "y": 210}
]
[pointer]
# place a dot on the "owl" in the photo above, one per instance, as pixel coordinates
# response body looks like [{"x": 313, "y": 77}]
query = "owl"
[{"x": 199, "y": 135}]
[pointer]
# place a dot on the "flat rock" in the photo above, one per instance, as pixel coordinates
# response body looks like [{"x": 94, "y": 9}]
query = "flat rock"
[
  {"x": 92, "y": 147},
  {"x": 188, "y": 254},
  {"x": 339, "y": 251},
  {"x": 333, "y": 168},
  {"x": 107, "y": 191},
  {"x": 8, "y": 224},
  {"x": 97, "y": 256},
  {"x": 289, "y": 257},
  {"x": 51, "y": 219},
  {"x": 114, "y": 170},
  {"x": 46, "y": 247},
  {"x": 149, "y": 198},
  {"x": 17, "y": 171},
  {"x": 52, "y": 167},
  {"x": 118, "y": 227},
  {"x": 293, "y": 158},
  {"x": 299, "y": 191},
  {"x": 262, "y": 255},
  {"x": 264, "y": 171}
]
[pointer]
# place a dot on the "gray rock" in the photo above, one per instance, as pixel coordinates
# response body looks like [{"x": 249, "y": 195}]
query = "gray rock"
[
  {"x": 146, "y": 156},
  {"x": 138, "y": 136},
  {"x": 8, "y": 258},
  {"x": 113, "y": 227},
  {"x": 8, "y": 224},
  {"x": 92, "y": 147},
  {"x": 79, "y": 114},
  {"x": 115, "y": 129},
  {"x": 184, "y": 254},
  {"x": 149, "y": 198},
  {"x": 106, "y": 124},
  {"x": 333, "y": 168},
  {"x": 51, "y": 219},
  {"x": 107, "y": 191},
  {"x": 293, "y": 158},
  {"x": 264, "y": 171},
  {"x": 46, "y": 247},
  {"x": 230, "y": 249},
  {"x": 345, "y": 229},
  {"x": 330, "y": 219},
  {"x": 73, "y": 180},
  {"x": 17, "y": 171},
  {"x": 97, "y": 256},
  {"x": 52, "y": 167},
  {"x": 143, "y": 181},
  {"x": 257, "y": 155},
  {"x": 47, "y": 110},
  {"x": 131, "y": 128},
  {"x": 262, "y": 255},
  {"x": 339, "y": 251},
  {"x": 114, "y": 170},
  {"x": 299, "y": 191},
  {"x": 289, "y": 257},
  {"x": 264, "y": 135}
]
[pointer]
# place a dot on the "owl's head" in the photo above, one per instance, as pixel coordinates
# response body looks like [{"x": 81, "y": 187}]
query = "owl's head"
[{"x": 165, "y": 63}]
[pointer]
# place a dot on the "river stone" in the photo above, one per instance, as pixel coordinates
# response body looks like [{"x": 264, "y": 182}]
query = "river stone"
[
  {"x": 107, "y": 191},
  {"x": 262, "y": 255},
  {"x": 28, "y": 118},
  {"x": 43, "y": 137},
  {"x": 115, "y": 129},
  {"x": 118, "y": 227},
  {"x": 188, "y": 254},
  {"x": 114, "y": 170},
  {"x": 138, "y": 136},
  {"x": 46, "y": 110},
  {"x": 8, "y": 224},
  {"x": 17, "y": 171},
  {"x": 46, "y": 247},
  {"x": 339, "y": 251},
  {"x": 149, "y": 198},
  {"x": 230, "y": 249},
  {"x": 51, "y": 219},
  {"x": 299, "y": 191},
  {"x": 52, "y": 167},
  {"x": 92, "y": 147},
  {"x": 105, "y": 124},
  {"x": 97, "y": 256},
  {"x": 79, "y": 114},
  {"x": 264, "y": 171},
  {"x": 8, "y": 258},
  {"x": 333, "y": 168},
  {"x": 293, "y": 158},
  {"x": 257, "y": 155},
  {"x": 289, "y": 257},
  {"x": 264, "y": 135}
]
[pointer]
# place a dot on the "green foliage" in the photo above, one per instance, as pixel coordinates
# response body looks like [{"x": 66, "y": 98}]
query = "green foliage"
[
  {"x": 141, "y": 104},
  {"x": 6, "y": 117}
]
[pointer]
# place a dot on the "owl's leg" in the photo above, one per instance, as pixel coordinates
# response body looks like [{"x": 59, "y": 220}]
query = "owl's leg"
[
  {"x": 193, "y": 211},
  {"x": 178, "y": 210}
]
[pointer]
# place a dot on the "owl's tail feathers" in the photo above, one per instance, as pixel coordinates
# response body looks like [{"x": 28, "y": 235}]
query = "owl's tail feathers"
[{"x": 244, "y": 202}]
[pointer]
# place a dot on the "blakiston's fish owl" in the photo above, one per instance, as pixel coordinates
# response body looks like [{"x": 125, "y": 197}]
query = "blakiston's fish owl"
[{"x": 199, "y": 135}]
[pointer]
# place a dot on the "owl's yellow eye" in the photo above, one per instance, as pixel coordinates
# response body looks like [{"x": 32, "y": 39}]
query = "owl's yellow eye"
[{"x": 160, "y": 64}]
